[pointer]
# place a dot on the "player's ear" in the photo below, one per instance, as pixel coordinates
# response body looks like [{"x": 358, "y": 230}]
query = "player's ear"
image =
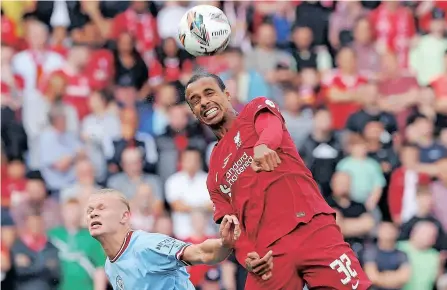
[
  {"x": 126, "y": 217},
  {"x": 227, "y": 93}
]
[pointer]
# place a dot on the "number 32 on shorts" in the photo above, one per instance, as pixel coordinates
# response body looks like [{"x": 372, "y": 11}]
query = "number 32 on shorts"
[{"x": 343, "y": 265}]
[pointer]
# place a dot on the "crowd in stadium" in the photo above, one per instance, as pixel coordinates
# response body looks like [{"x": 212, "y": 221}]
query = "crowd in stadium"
[{"x": 92, "y": 96}]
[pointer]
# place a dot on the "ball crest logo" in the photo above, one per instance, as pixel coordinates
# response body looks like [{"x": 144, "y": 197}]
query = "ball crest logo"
[{"x": 199, "y": 31}]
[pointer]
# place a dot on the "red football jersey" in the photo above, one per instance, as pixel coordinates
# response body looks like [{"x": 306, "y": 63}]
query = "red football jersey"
[{"x": 268, "y": 204}]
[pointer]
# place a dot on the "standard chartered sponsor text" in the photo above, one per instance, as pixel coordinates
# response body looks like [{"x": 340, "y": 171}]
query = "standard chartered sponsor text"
[{"x": 238, "y": 168}]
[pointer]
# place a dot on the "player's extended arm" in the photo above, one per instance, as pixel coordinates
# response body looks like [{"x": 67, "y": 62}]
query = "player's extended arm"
[{"x": 213, "y": 251}]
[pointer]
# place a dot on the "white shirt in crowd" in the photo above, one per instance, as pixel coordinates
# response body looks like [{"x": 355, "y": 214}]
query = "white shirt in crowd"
[{"x": 192, "y": 192}]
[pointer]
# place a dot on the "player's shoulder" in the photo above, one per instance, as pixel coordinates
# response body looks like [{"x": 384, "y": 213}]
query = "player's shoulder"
[
  {"x": 258, "y": 104},
  {"x": 153, "y": 241}
]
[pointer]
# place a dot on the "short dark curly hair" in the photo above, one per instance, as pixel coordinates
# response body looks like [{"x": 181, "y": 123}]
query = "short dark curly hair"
[{"x": 203, "y": 74}]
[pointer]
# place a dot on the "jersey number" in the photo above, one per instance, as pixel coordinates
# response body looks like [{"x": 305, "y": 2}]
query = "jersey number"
[{"x": 343, "y": 265}]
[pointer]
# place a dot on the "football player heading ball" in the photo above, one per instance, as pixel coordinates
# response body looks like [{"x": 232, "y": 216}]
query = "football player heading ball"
[{"x": 257, "y": 174}]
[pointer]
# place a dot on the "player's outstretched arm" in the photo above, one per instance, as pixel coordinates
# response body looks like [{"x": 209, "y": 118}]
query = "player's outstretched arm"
[{"x": 213, "y": 251}]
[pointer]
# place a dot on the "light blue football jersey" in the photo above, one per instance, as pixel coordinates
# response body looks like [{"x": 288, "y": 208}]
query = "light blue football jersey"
[{"x": 149, "y": 261}]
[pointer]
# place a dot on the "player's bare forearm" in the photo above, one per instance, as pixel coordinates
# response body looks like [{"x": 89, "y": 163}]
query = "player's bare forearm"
[{"x": 210, "y": 252}]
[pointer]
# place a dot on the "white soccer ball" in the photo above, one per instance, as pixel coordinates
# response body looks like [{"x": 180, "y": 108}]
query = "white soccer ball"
[{"x": 204, "y": 30}]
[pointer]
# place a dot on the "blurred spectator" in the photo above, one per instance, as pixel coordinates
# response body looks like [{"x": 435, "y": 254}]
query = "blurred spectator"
[
  {"x": 100, "y": 125},
  {"x": 37, "y": 60},
  {"x": 78, "y": 87},
  {"x": 176, "y": 63},
  {"x": 238, "y": 13},
  {"x": 394, "y": 27},
  {"x": 211, "y": 281},
  {"x": 5, "y": 265},
  {"x": 85, "y": 182},
  {"x": 322, "y": 150},
  {"x": 368, "y": 60},
  {"x": 186, "y": 192},
  {"x": 309, "y": 87},
  {"x": 398, "y": 89},
  {"x": 82, "y": 258},
  {"x": 306, "y": 54},
  {"x": 315, "y": 14},
  {"x": 424, "y": 200},
  {"x": 366, "y": 174},
  {"x": 249, "y": 83},
  {"x": 403, "y": 185},
  {"x": 132, "y": 176},
  {"x": 35, "y": 198},
  {"x": 426, "y": 106},
  {"x": 424, "y": 260},
  {"x": 439, "y": 191},
  {"x": 439, "y": 86},
  {"x": 137, "y": 21},
  {"x": 129, "y": 137},
  {"x": 375, "y": 136},
  {"x": 278, "y": 66},
  {"x": 59, "y": 149},
  {"x": 180, "y": 134},
  {"x": 14, "y": 183},
  {"x": 425, "y": 55},
  {"x": 60, "y": 14},
  {"x": 163, "y": 225},
  {"x": 34, "y": 259},
  {"x": 429, "y": 149},
  {"x": 171, "y": 10},
  {"x": 371, "y": 111},
  {"x": 387, "y": 267},
  {"x": 145, "y": 208},
  {"x": 11, "y": 83},
  {"x": 354, "y": 221},
  {"x": 199, "y": 222},
  {"x": 341, "y": 88},
  {"x": 35, "y": 116},
  {"x": 343, "y": 20},
  {"x": 299, "y": 119},
  {"x": 130, "y": 68},
  {"x": 166, "y": 97}
]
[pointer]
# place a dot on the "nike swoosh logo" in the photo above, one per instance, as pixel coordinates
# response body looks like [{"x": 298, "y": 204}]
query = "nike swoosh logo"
[{"x": 354, "y": 286}]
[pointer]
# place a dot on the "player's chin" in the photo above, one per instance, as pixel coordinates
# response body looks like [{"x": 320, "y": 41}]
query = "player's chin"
[{"x": 96, "y": 232}]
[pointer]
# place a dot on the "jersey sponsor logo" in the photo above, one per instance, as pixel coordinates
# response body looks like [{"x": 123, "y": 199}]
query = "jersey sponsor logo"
[
  {"x": 119, "y": 283},
  {"x": 232, "y": 175},
  {"x": 226, "y": 160},
  {"x": 238, "y": 140}
]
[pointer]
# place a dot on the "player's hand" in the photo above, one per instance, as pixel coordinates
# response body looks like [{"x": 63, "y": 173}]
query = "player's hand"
[
  {"x": 229, "y": 230},
  {"x": 260, "y": 266},
  {"x": 264, "y": 159}
]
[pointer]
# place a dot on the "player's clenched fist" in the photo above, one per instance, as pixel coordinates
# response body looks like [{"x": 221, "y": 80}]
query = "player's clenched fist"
[
  {"x": 264, "y": 159},
  {"x": 229, "y": 230},
  {"x": 260, "y": 266}
]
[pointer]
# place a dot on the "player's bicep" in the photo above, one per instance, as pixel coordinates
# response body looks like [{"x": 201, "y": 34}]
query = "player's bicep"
[{"x": 221, "y": 205}]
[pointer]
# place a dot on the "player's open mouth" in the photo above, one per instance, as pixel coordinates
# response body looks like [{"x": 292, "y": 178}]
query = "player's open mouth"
[
  {"x": 210, "y": 113},
  {"x": 95, "y": 225}
]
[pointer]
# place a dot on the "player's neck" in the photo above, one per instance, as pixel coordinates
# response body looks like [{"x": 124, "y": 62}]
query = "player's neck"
[
  {"x": 222, "y": 129},
  {"x": 113, "y": 243}
]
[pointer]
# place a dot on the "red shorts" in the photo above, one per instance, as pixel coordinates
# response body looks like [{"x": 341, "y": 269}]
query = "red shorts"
[{"x": 314, "y": 254}]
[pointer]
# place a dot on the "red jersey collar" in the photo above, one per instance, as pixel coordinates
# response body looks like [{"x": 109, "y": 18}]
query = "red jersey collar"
[{"x": 123, "y": 246}]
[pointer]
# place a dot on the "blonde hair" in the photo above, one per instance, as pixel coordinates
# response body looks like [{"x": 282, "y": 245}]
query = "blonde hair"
[{"x": 111, "y": 191}]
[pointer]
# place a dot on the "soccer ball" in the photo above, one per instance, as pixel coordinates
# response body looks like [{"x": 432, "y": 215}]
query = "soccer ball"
[{"x": 204, "y": 30}]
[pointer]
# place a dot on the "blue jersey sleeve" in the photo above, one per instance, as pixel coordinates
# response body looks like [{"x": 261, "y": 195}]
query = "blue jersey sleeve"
[{"x": 161, "y": 253}]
